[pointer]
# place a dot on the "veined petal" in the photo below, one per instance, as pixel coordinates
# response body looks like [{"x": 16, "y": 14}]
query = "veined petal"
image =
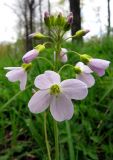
[
  {"x": 39, "y": 102},
  {"x": 99, "y": 63},
  {"x": 74, "y": 89},
  {"x": 47, "y": 79},
  {"x": 42, "y": 82},
  {"x": 30, "y": 55},
  {"x": 53, "y": 77},
  {"x": 86, "y": 78},
  {"x": 99, "y": 71},
  {"x": 84, "y": 68},
  {"x": 61, "y": 108}
]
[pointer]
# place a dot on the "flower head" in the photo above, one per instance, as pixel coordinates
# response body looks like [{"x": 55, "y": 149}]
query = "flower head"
[
  {"x": 56, "y": 94},
  {"x": 29, "y": 56},
  {"x": 17, "y": 74},
  {"x": 83, "y": 73},
  {"x": 98, "y": 65}
]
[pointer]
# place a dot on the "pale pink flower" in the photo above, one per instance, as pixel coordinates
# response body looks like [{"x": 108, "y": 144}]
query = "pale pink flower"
[
  {"x": 56, "y": 94},
  {"x": 17, "y": 74},
  {"x": 63, "y": 55},
  {"x": 84, "y": 74},
  {"x": 29, "y": 56},
  {"x": 98, "y": 65}
]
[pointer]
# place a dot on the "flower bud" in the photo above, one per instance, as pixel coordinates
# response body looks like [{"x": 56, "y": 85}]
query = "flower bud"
[
  {"x": 47, "y": 19},
  {"x": 37, "y": 35},
  {"x": 70, "y": 18},
  {"x": 81, "y": 33},
  {"x": 60, "y": 20},
  {"x": 29, "y": 56},
  {"x": 63, "y": 55},
  {"x": 40, "y": 47}
]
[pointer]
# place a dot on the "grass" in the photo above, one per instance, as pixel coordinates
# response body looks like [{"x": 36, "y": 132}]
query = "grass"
[{"x": 87, "y": 136}]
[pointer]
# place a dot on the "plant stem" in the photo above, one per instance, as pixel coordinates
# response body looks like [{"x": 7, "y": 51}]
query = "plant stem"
[
  {"x": 66, "y": 65},
  {"x": 46, "y": 138},
  {"x": 70, "y": 142},
  {"x": 56, "y": 140}
]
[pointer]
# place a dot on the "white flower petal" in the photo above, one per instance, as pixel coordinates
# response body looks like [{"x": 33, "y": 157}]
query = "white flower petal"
[
  {"x": 74, "y": 89},
  {"x": 86, "y": 78},
  {"x": 99, "y": 63},
  {"x": 12, "y": 68},
  {"x": 61, "y": 108},
  {"x": 39, "y": 102}
]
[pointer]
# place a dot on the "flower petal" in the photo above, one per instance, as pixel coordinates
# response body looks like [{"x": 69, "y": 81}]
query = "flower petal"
[
  {"x": 99, "y": 71},
  {"x": 61, "y": 108},
  {"x": 86, "y": 78},
  {"x": 47, "y": 79},
  {"x": 53, "y": 77},
  {"x": 42, "y": 82},
  {"x": 15, "y": 75},
  {"x": 23, "y": 81},
  {"x": 12, "y": 68},
  {"x": 99, "y": 63},
  {"x": 84, "y": 68},
  {"x": 74, "y": 89},
  {"x": 39, "y": 102}
]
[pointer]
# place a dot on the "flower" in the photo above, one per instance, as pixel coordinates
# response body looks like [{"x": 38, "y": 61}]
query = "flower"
[
  {"x": 56, "y": 94},
  {"x": 17, "y": 74},
  {"x": 98, "y": 65},
  {"x": 83, "y": 73},
  {"x": 29, "y": 56}
]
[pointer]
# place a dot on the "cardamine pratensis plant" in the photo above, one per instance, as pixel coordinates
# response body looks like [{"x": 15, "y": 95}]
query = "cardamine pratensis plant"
[{"x": 52, "y": 92}]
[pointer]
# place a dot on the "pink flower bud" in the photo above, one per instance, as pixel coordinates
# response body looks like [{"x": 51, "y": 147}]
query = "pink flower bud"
[
  {"x": 29, "y": 56},
  {"x": 63, "y": 55}
]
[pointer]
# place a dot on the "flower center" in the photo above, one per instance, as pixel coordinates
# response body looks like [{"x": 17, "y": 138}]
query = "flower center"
[{"x": 55, "y": 89}]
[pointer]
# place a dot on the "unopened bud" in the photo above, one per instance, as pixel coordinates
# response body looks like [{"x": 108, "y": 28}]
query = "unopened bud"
[
  {"x": 37, "y": 35},
  {"x": 29, "y": 56},
  {"x": 63, "y": 55},
  {"x": 47, "y": 19},
  {"x": 70, "y": 18},
  {"x": 81, "y": 33}
]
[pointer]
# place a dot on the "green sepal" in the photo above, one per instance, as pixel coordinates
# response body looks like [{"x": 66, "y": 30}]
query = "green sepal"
[
  {"x": 40, "y": 47},
  {"x": 85, "y": 58},
  {"x": 27, "y": 66}
]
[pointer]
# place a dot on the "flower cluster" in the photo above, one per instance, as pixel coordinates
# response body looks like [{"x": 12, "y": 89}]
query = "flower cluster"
[{"x": 52, "y": 92}]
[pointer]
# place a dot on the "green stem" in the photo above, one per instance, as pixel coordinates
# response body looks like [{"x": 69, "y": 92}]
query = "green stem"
[
  {"x": 66, "y": 65},
  {"x": 56, "y": 140},
  {"x": 70, "y": 142},
  {"x": 75, "y": 53},
  {"x": 46, "y": 138}
]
